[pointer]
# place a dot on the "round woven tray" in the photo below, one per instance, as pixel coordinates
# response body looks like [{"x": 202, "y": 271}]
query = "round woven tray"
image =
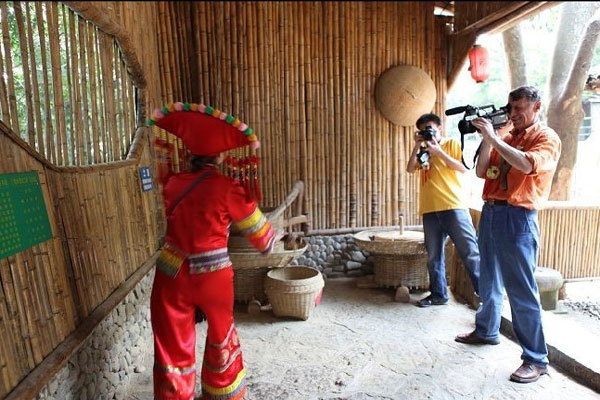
[
  {"x": 279, "y": 257},
  {"x": 401, "y": 270},
  {"x": 391, "y": 242},
  {"x": 239, "y": 244},
  {"x": 293, "y": 291}
]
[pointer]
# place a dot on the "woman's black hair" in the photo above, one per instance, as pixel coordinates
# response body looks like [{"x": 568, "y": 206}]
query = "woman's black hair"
[{"x": 199, "y": 162}]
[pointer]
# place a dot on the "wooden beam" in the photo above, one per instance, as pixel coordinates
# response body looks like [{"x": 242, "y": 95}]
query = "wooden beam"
[
  {"x": 29, "y": 387},
  {"x": 526, "y": 13},
  {"x": 491, "y": 18}
]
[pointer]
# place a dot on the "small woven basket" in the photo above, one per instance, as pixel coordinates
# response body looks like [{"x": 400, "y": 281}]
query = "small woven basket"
[
  {"x": 401, "y": 270},
  {"x": 294, "y": 291}
]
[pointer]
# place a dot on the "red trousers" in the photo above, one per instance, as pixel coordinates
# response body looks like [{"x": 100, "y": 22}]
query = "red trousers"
[{"x": 172, "y": 307}]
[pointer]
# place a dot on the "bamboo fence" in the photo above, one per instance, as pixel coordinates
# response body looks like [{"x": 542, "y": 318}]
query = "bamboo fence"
[
  {"x": 59, "y": 63},
  {"x": 302, "y": 75},
  {"x": 77, "y": 121},
  {"x": 569, "y": 237}
]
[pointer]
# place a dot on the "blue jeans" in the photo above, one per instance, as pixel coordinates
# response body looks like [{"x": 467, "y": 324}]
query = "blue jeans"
[
  {"x": 508, "y": 243},
  {"x": 437, "y": 226}
]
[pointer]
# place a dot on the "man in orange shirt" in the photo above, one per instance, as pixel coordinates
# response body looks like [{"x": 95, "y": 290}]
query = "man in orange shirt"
[{"x": 518, "y": 168}]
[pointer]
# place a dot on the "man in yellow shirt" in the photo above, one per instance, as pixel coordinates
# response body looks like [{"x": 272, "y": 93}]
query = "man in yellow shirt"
[{"x": 441, "y": 205}]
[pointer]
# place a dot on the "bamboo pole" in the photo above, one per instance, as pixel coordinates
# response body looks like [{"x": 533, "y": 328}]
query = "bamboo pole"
[
  {"x": 26, "y": 73},
  {"x": 59, "y": 115},
  {"x": 304, "y": 132},
  {"x": 83, "y": 72},
  {"x": 34, "y": 82},
  {"x": 4, "y": 107},
  {"x": 95, "y": 116},
  {"x": 66, "y": 47},
  {"x": 50, "y": 149},
  {"x": 122, "y": 137},
  {"x": 102, "y": 87},
  {"x": 76, "y": 104},
  {"x": 13, "y": 121}
]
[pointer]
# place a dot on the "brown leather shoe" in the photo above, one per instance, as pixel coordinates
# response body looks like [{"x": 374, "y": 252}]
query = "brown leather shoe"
[
  {"x": 472, "y": 338},
  {"x": 528, "y": 372}
]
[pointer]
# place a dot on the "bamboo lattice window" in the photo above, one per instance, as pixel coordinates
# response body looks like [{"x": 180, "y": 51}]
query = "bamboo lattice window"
[{"x": 64, "y": 87}]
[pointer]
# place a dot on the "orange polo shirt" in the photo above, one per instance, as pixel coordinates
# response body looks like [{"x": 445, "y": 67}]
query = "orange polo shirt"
[{"x": 542, "y": 148}]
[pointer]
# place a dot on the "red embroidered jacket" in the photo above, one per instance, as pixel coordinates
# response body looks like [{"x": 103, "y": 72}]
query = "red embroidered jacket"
[{"x": 199, "y": 224}]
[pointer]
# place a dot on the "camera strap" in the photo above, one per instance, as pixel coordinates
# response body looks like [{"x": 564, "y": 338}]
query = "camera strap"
[{"x": 462, "y": 148}]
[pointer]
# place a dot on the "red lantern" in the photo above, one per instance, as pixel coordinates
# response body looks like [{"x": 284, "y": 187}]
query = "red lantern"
[{"x": 479, "y": 60}]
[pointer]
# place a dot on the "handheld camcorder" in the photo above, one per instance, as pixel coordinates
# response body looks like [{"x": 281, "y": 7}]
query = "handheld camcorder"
[{"x": 498, "y": 117}]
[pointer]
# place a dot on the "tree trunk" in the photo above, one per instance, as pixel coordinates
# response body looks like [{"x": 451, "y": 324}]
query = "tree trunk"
[
  {"x": 574, "y": 19},
  {"x": 515, "y": 56},
  {"x": 565, "y": 112}
]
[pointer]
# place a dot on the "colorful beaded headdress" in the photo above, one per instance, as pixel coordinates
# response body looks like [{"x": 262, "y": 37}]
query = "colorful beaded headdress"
[{"x": 206, "y": 131}]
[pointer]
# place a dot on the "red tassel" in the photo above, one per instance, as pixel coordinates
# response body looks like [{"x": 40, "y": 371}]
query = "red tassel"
[
  {"x": 246, "y": 171},
  {"x": 257, "y": 192},
  {"x": 234, "y": 169}
]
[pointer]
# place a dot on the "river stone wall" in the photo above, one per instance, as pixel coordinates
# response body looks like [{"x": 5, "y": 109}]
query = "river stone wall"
[
  {"x": 336, "y": 256},
  {"x": 117, "y": 349}
]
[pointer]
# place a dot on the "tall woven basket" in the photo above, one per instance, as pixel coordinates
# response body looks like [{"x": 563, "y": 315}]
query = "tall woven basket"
[
  {"x": 248, "y": 284},
  {"x": 400, "y": 257},
  {"x": 401, "y": 270},
  {"x": 294, "y": 291},
  {"x": 251, "y": 269}
]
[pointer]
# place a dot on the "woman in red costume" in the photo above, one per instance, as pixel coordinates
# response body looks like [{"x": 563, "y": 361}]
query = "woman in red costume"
[{"x": 193, "y": 269}]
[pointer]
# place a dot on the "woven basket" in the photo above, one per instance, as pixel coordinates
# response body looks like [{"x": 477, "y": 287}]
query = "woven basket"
[
  {"x": 249, "y": 284},
  {"x": 239, "y": 244},
  {"x": 401, "y": 270},
  {"x": 293, "y": 291},
  {"x": 279, "y": 257},
  {"x": 391, "y": 242}
]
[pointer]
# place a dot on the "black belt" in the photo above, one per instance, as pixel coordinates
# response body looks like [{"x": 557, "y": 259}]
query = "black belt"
[{"x": 494, "y": 202}]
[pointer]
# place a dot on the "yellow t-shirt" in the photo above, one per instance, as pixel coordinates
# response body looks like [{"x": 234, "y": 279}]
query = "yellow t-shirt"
[{"x": 441, "y": 188}]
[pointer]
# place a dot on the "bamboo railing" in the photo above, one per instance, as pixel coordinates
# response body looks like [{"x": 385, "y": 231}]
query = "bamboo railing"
[
  {"x": 302, "y": 74},
  {"x": 569, "y": 243}
]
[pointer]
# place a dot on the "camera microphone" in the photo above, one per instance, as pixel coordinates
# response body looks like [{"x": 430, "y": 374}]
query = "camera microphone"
[{"x": 456, "y": 110}]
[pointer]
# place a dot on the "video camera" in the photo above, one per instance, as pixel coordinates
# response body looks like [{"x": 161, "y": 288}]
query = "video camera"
[{"x": 498, "y": 117}]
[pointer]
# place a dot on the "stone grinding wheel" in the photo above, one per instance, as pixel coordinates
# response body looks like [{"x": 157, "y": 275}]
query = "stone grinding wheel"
[{"x": 403, "y": 93}]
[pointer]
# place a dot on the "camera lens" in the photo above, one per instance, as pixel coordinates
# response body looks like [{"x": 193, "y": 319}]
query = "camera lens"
[
  {"x": 466, "y": 127},
  {"x": 427, "y": 133}
]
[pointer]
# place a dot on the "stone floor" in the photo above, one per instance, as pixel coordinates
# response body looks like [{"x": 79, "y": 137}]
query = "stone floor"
[{"x": 360, "y": 344}]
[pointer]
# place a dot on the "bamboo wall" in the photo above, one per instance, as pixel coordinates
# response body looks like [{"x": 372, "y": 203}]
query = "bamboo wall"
[
  {"x": 302, "y": 75},
  {"x": 104, "y": 226}
]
